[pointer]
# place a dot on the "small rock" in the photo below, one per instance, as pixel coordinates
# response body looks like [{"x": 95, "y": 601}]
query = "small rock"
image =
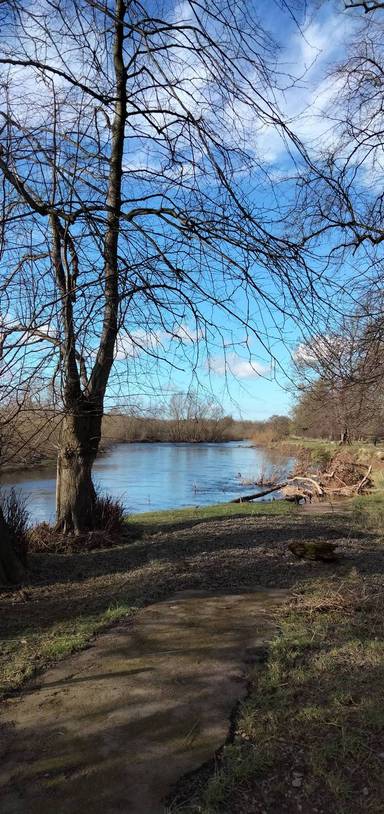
[{"x": 365, "y": 791}]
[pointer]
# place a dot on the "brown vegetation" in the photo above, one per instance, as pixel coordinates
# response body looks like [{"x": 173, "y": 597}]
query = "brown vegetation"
[
  {"x": 110, "y": 522},
  {"x": 343, "y": 476},
  {"x": 274, "y": 429},
  {"x": 119, "y": 428},
  {"x": 32, "y": 437}
]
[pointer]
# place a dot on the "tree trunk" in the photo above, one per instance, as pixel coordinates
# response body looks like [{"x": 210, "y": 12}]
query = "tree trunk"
[
  {"x": 11, "y": 569},
  {"x": 75, "y": 492},
  {"x": 83, "y": 396}
]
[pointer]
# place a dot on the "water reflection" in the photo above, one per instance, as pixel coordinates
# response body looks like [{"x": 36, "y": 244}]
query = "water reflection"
[{"x": 160, "y": 476}]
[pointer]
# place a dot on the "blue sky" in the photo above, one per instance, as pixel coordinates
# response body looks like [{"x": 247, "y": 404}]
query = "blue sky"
[
  {"x": 246, "y": 379},
  {"x": 248, "y": 384}
]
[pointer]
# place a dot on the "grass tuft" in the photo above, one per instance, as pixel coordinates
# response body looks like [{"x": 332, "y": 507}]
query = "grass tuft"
[
  {"x": 16, "y": 516},
  {"x": 34, "y": 650}
]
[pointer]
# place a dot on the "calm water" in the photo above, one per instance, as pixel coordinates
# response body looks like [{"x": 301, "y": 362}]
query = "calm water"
[{"x": 161, "y": 476}]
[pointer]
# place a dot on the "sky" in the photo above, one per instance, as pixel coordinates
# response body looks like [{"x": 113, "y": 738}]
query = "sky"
[
  {"x": 239, "y": 371},
  {"x": 243, "y": 378}
]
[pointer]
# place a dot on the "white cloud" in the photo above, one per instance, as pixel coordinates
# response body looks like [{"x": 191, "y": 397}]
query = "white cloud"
[
  {"x": 187, "y": 334},
  {"x": 306, "y": 58},
  {"x": 131, "y": 345},
  {"x": 237, "y": 366},
  {"x": 322, "y": 350}
]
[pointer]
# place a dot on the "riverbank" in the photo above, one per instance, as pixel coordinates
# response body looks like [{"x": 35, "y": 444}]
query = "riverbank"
[
  {"x": 309, "y": 733},
  {"x": 321, "y": 451}
]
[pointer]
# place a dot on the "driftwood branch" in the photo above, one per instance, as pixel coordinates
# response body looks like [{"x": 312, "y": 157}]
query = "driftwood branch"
[
  {"x": 305, "y": 479},
  {"x": 255, "y": 495},
  {"x": 247, "y": 498},
  {"x": 314, "y": 483},
  {"x": 364, "y": 480}
]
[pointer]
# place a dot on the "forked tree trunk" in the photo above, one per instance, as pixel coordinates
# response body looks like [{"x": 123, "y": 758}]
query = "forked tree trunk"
[
  {"x": 75, "y": 492},
  {"x": 11, "y": 568}
]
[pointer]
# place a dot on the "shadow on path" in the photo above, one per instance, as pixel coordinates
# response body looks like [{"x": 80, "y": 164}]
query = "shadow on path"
[{"x": 111, "y": 729}]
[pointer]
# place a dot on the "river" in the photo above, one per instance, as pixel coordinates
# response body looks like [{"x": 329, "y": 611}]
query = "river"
[{"x": 148, "y": 477}]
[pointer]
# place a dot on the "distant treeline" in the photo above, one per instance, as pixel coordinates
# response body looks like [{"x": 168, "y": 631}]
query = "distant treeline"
[
  {"x": 275, "y": 428},
  {"x": 129, "y": 428},
  {"x": 31, "y": 437},
  {"x": 327, "y": 410}
]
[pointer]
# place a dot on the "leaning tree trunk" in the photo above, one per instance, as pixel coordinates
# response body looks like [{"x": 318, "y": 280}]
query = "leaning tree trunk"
[
  {"x": 75, "y": 492},
  {"x": 11, "y": 568}
]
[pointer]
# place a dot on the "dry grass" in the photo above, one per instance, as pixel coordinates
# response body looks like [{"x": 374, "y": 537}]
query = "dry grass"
[
  {"x": 309, "y": 738},
  {"x": 16, "y": 515},
  {"x": 110, "y": 520}
]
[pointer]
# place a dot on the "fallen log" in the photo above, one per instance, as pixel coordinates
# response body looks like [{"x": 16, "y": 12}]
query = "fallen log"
[
  {"x": 247, "y": 498},
  {"x": 314, "y": 550}
]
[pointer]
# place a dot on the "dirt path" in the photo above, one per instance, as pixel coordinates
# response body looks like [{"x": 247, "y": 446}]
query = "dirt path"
[
  {"x": 335, "y": 507},
  {"x": 111, "y": 729}
]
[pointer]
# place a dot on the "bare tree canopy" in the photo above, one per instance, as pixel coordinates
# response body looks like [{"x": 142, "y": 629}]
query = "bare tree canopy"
[
  {"x": 129, "y": 163},
  {"x": 341, "y": 194}
]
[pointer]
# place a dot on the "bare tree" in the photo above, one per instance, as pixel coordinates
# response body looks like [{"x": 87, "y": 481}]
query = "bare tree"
[
  {"x": 340, "y": 216},
  {"x": 130, "y": 140},
  {"x": 340, "y": 377},
  {"x": 341, "y": 193},
  {"x": 368, "y": 6},
  {"x": 195, "y": 418}
]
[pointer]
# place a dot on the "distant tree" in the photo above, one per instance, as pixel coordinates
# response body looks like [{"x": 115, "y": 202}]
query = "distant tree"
[
  {"x": 195, "y": 418},
  {"x": 340, "y": 378},
  {"x": 281, "y": 426}
]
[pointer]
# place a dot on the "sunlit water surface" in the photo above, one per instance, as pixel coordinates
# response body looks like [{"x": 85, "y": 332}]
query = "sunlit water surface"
[{"x": 148, "y": 477}]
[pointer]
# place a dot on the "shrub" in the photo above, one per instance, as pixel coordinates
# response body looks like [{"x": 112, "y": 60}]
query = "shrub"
[
  {"x": 109, "y": 514},
  {"x": 109, "y": 525},
  {"x": 321, "y": 456},
  {"x": 16, "y": 516}
]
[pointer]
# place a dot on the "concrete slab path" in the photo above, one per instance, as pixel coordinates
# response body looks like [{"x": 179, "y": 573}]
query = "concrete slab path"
[{"x": 112, "y": 728}]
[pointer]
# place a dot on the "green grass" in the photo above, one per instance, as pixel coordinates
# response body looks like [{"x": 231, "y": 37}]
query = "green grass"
[
  {"x": 316, "y": 708},
  {"x": 36, "y": 648},
  {"x": 368, "y": 510},
  {"x": 323, "y": 450},
  {"x": 177, "y": 517}
]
